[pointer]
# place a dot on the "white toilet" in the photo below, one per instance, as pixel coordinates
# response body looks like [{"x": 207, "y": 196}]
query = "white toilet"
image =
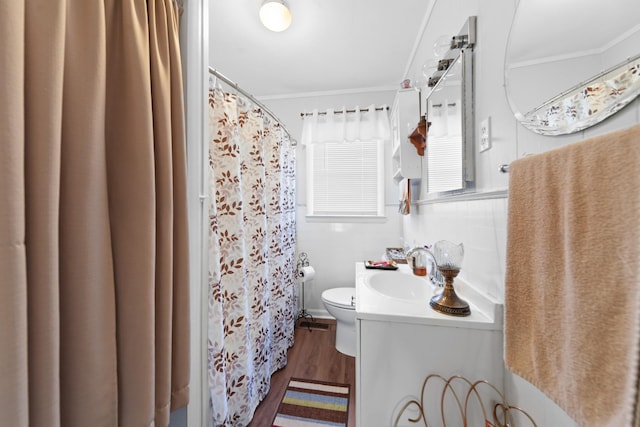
[{"x": 341, "y": 304}]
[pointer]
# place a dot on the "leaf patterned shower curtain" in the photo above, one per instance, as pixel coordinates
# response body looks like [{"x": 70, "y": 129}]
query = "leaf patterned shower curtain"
[{"x": 252, "y": 243}]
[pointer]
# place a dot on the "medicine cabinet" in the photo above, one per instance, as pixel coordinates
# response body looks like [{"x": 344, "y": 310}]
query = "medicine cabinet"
[{"x": 449, "y": 108}]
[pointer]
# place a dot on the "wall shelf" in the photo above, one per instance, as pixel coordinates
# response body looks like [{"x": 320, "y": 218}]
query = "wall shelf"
[
  {"x": 405, "y": 115},
  {"x": 465, "y": 197}
]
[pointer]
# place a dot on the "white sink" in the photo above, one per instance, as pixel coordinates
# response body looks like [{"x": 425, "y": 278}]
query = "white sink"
[
  {"x": 399, "y": 295},
  {"x": 396, "y": 284}
]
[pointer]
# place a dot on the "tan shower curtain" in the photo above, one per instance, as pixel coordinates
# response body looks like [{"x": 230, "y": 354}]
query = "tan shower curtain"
[{"x": 93, "y": 233}]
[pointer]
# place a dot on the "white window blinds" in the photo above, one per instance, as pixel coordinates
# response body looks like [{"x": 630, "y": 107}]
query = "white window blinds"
[
  {"x": 345, "y": 179},
  {"x": 345, "y": 167}
]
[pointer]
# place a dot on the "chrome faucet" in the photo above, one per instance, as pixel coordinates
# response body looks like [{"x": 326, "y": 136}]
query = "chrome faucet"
[{"x": 429, "y": 264}]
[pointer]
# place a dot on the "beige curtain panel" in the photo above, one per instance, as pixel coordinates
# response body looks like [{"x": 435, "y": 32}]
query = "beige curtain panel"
[{"x": 93, "y": 224}]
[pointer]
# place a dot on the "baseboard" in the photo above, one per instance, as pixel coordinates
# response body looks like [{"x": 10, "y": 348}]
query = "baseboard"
[{"x": 320, "y": 314}]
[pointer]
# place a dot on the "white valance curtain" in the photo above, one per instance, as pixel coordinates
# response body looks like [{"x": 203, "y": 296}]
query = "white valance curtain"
[{"x": 370, "y": 124}]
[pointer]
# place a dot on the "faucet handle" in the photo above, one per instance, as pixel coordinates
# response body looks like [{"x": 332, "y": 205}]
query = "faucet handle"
[
  {"x": 408, "y": 253},
  {"x": 409, "y": 259}
]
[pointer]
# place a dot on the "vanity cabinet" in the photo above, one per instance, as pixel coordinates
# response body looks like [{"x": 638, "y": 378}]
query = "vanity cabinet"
[
  {"x": 401, "y": 341},
  {"x": 394, "y": 358},
  {"x": 405, "y": 115}
]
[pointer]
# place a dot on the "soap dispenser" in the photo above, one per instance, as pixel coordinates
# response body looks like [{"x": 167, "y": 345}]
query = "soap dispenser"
[{"x": 417, "y": 258}]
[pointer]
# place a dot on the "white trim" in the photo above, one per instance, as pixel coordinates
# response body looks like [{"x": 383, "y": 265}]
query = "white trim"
[
  {"x": 351, "y": 218},
  {"x": 463, "y": 197},
  {"x": 577, "y": 54},
  {"x": 320, "y": 314},
  {"x": 194, "y": 39},
  {"x": 328, "y": 93}
]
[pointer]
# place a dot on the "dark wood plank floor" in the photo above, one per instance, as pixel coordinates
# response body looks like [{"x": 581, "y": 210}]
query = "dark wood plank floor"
[{"x": 313, "y": 356}]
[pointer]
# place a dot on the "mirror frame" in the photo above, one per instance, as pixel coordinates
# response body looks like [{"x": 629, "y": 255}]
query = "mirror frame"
[
  {"x": 588, "y": 103},
  {"x": 466, "y": 160},
  {"x": 461, "y": 49}
]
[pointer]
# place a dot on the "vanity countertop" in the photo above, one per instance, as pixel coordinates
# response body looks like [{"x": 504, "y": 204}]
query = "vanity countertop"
[{"x": 372, "y": 304}]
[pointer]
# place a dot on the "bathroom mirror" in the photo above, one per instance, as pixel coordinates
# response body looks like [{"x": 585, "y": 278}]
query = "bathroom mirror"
[
  {"x": 571, "y": 64},
  {"x": 449, "y": 109},
  {"x": 448, "y": 105}
]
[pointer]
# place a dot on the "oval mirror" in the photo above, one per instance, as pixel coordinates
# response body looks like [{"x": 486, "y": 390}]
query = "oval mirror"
[{"x": 570, "y": 64}]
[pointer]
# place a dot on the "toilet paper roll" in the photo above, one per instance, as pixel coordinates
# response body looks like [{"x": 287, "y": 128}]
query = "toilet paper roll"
[{"x": 306, "y": 273}]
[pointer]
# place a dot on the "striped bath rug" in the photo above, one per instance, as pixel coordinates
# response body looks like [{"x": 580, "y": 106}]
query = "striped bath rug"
[{"x": 308, "y": 403}]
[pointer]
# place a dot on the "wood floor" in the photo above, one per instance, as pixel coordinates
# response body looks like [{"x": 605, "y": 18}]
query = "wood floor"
[{"x": 313, "y": 356}]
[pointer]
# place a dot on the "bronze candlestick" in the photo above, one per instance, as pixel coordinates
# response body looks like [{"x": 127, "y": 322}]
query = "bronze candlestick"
[{"x": 449, "y": 259}]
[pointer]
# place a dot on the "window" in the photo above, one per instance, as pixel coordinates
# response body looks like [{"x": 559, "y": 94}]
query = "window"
[
  {"x": 345, "y": 167},
  {"x": 345, "y": 179}
]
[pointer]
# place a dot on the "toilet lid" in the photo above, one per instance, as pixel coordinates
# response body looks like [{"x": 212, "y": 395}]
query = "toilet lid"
[{"x": 340, "y": 297}]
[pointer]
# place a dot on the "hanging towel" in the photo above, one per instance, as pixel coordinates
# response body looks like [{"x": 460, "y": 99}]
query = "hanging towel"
[
  {"x": 572, "y": 296},
  {"x": 405, "y": 197}
]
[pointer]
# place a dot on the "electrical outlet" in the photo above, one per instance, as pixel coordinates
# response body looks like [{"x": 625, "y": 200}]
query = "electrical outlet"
[{"x": 485, "y": 134}]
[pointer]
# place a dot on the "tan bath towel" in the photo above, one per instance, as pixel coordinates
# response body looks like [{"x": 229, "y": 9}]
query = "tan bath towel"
[
  {"x": 572, "y": 297},
  {"x": 405, "y": 197}
]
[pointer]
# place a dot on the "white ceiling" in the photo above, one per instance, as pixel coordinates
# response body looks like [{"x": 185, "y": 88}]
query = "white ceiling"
[{"x": 332, "y": 46}]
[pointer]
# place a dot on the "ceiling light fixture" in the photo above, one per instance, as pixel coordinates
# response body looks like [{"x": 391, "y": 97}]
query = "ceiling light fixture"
[{"x": 275, "y": 15}]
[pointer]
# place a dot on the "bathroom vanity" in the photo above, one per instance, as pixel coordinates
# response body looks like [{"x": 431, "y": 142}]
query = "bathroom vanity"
[{"x": 401, "y": 340}]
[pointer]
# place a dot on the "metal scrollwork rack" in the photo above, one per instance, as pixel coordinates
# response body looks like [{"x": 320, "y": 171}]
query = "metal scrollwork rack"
[{"x": 490, "y": 410}]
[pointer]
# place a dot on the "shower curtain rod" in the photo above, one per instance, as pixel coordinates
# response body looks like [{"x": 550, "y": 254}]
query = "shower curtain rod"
[
  {"x": 233, "y": 84},
  {"x": 336, "y": 111}
]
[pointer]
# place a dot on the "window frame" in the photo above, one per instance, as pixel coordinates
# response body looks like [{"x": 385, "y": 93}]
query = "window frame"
[{"x": 344, "y": 216}]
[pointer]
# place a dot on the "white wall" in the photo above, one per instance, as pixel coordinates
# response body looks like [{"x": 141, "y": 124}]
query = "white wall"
[
  {"x": 479, "y": 224},
  {"x": 334, "y": 247}
]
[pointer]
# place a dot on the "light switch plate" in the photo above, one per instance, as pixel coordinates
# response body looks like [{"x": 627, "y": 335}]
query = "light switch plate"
[{"x": 485, "y": 134}]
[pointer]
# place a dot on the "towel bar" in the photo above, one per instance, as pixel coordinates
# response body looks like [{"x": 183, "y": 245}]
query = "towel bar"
[{"x": 504, "y": 168}]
